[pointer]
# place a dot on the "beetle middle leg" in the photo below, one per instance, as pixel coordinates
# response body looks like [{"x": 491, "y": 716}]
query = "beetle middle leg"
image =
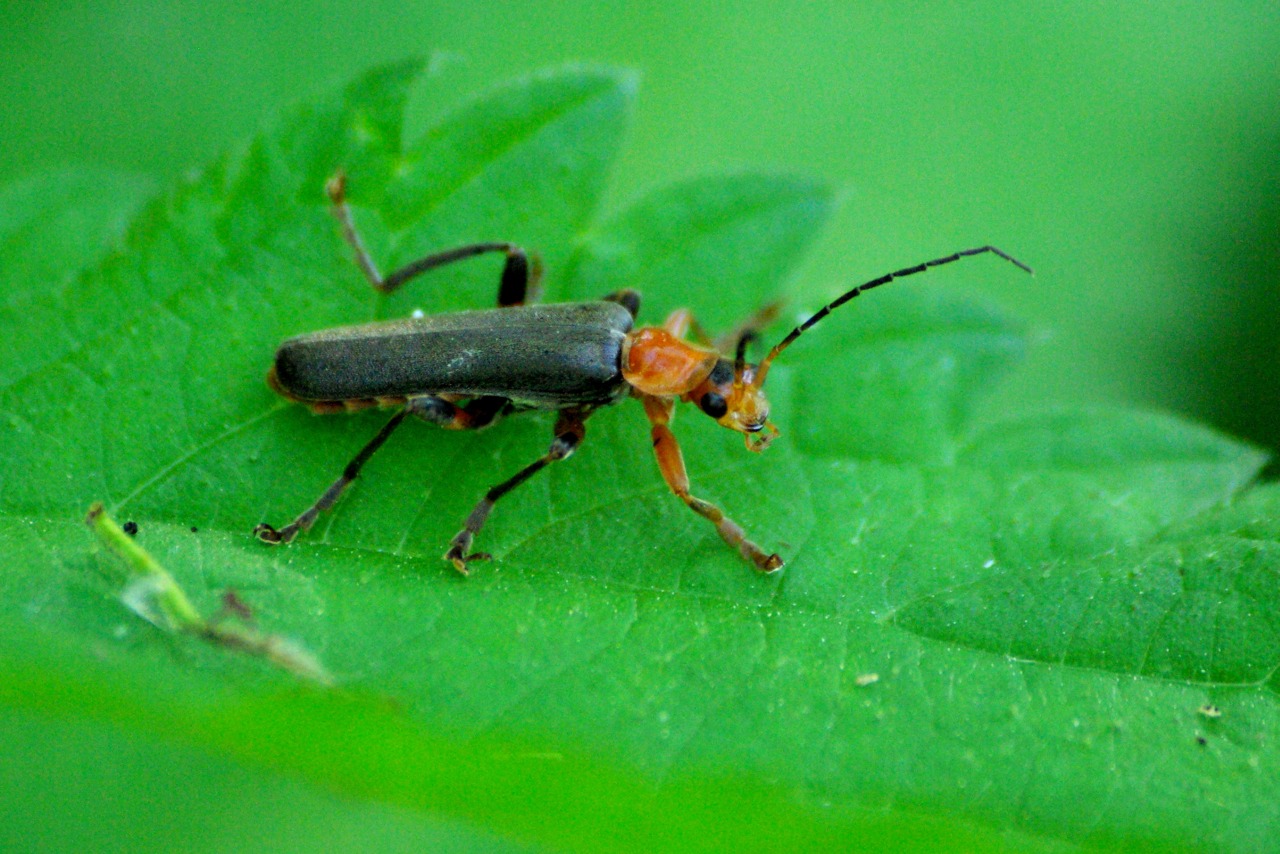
[
  {"x": 480, "y": 412},
  {"x": 570, "y": 430},
  {"x": 521, "y": 275},
  {"x": 475, "y": 414},
  {"x": 671, "y": 463}
]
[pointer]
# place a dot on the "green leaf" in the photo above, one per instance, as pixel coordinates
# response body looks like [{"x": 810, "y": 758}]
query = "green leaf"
[
  {"x": 910, "y": 373},
  {"x": 51, "y": 227},
  {"x": 985, "y": 637},
  {"x": 720, "y": 244}
]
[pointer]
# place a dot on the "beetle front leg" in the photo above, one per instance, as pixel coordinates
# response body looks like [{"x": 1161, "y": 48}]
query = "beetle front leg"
[
  {"x": 671, "y": 464},
  {"x": 570, "y": 430},
  {"x": 521, "y": 275}
]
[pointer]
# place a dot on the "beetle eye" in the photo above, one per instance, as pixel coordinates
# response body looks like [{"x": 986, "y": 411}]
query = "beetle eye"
[{"x": 713, "y": 404}]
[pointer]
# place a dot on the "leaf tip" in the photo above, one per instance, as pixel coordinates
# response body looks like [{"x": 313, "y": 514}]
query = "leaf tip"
[{"x": 619, "y": 79}]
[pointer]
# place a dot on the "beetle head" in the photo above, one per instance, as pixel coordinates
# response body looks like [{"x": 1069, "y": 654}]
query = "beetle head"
[{"x": 732, "y": 396}]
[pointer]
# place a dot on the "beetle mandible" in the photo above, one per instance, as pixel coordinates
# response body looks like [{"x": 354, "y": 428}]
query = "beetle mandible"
[{"x": 465, "y": 370}]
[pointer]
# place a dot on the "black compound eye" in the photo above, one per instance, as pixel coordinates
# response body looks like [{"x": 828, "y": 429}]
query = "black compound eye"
[{"x": 713, "y": 404}]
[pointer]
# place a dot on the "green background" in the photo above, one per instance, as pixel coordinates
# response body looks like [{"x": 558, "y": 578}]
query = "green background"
[
  {"x": 1128, "y": 154},
  {"x": 1127, "y": 151}
]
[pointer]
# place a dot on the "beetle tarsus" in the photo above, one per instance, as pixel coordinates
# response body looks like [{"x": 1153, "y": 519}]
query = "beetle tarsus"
[
  {"x": 730, "y": 531},
  {"x": 456, "y": 555},
  {"x": 271, "y": 536}
]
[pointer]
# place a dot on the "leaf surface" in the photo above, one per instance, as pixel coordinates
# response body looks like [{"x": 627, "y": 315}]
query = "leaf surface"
[{"x": 984, "y": 637}]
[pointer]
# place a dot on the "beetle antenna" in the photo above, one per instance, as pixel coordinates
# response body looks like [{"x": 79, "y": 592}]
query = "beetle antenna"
[
  {"x": 763, "y": 369},
  {"x": 740, "y": 356}
]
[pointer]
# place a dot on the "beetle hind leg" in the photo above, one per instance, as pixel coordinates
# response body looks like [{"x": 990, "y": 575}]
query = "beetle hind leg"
[
  {"x": 521, "y": 275},
  {"x": 271, "y": 535}
]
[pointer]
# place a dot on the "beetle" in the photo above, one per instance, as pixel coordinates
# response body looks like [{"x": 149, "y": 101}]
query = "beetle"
[{"x": 465, "y": 370}]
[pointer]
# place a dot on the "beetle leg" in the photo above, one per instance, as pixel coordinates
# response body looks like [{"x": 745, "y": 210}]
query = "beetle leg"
[
  {"x": 570, "y": 430},
  {"x": 268, "y": 534},
  {"x": 681, "y": 322},
  {"x": 475, "y": 414},
  {"x": 521, "y": 275},
  {"x": 749, "y": 328},
  {"x": 671, "y": 464},
  {"x": 627, "y": 298}
]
